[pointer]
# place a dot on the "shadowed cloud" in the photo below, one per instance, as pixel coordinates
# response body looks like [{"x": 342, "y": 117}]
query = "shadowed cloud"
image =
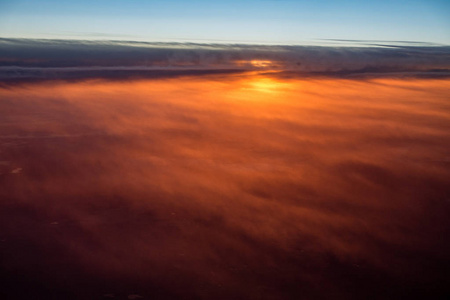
[{"x": 22, "y": 59}]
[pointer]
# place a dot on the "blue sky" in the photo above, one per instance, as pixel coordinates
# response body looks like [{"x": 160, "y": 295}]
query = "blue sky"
[{"x": 254, "y": 21}]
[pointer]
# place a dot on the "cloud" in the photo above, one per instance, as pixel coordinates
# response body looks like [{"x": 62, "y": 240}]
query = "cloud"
[
  {"x": 68, "y": 59},
  {"x": 218, "y": 189}
]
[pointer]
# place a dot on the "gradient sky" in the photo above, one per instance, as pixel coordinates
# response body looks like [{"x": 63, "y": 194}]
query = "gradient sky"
[{"x": 253, "y": 21}]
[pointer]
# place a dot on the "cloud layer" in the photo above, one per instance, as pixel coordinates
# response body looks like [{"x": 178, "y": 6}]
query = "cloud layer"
[
  {"x": 65, "y": 59},
  {"x": 225, "y": 187}
]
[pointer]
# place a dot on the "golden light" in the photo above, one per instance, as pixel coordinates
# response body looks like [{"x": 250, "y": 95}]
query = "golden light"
[
  {"x": 266, "y": 85},
  {"x": 261, "y": 63},
  {"x": 257, "y": 63}
]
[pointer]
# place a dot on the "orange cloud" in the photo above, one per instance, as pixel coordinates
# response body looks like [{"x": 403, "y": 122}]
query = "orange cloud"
[{"x": 225, "y": 187}]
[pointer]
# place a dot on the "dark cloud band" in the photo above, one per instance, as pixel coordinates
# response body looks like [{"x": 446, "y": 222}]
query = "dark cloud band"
[{"x": 68, "y": 59}]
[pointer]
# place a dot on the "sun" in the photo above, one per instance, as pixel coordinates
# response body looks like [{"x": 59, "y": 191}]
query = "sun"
[{"x": 266, "y": 85}]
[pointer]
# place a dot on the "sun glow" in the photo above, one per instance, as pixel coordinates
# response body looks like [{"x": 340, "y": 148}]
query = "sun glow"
[
  {"x": 264, "y": 85},
  {"x": 261, "y": 63},
  {"x": 257, "y": 63},
  {"x": 267, "y": 85}
]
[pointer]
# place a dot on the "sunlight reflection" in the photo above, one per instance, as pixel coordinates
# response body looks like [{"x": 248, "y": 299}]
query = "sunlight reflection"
[{"x": 266, "y": 85}]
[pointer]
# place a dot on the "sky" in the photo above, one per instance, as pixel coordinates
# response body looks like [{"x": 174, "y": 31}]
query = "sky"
[
  {"x": 253, "y": 21},
  {"x": 224, "y": 149}
]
